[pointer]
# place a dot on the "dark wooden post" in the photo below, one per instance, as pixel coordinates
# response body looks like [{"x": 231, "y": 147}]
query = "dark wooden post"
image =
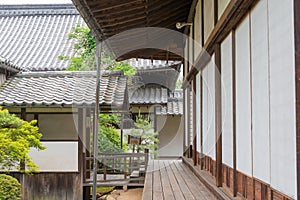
[
  {"x": 195, "y": 159},
  {"x": 297, "y": 79},
  {"x": 234, "y": 114},
  {"x": 218, "y": 116}
]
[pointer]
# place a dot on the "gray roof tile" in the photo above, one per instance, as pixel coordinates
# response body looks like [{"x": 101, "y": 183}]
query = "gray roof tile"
[
  {"x": 174, "y": 105},
  {"x": 63, "y": 89},
  {"x": 149, "y": 95},
  {"x": 33, "y": 36}
]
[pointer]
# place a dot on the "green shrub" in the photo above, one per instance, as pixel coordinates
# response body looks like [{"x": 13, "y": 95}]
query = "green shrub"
[{"x": 10, "y": 188}]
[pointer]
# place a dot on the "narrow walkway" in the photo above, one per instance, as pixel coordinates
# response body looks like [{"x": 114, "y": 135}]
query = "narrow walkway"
[{"x": 171, "y": 179}]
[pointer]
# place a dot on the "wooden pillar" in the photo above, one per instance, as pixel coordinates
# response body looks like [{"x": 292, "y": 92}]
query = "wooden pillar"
[
  {"x": 23, "y": 116},
  {"x": 218, "y": 111},
  {"x": 235, "y": 186},
  {"x": 188, "y": 112},
  {"x": 80, "y": 148},
  {"x": 297, "y": 79},
  {"x": 201, "y": 120},
  {"x": 195, "y": 157}
]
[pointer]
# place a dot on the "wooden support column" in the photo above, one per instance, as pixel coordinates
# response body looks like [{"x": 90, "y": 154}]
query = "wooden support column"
[
  {"x": 80, "y": 147},
  {"x": 195, "y": 157},
  {"x": 297, "y": 73},
  {"x": 235, "y": 186},
  {"x": 201, "y": 121},
  {"x": 218, "y": 111},
  {"x": 188, "y": 119}
]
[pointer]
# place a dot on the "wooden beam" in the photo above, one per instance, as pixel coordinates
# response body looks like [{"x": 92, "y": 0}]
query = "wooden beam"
[
  {"x": 218, "y": 116},
  {"x": 297, "y": 79},
  {"x": 98, "y": 6},
  {"x": 235, "y": 182}
]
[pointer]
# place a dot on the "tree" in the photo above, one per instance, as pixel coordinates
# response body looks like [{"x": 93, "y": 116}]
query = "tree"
[
  {"x": 109, "y": 137},
  {"x": 144, "y": 129},
  {"x": 84, "y": 57},
  {"x": 17, "y": 137}
]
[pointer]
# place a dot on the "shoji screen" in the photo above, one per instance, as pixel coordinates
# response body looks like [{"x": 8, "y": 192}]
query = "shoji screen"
[
  {"x": 260, "y": 92},
  {"x": 282, "y": 96},
  {"x": 226, "y": 81},
  {"x": 243, "y": 104},
  {"x": 198, "y": 114}
]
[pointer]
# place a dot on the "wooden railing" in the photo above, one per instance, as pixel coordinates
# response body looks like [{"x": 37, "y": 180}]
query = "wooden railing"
[{"x": 120, "y": 166}]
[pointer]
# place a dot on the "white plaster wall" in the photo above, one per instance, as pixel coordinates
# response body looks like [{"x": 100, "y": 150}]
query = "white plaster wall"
[
  {"x": 222, "y": 4},
  {"x": 198, "y": 114},
  {"x": 209, "y": 140},
  {"x": 170, "y": 136},
  {"x": 208, "y": 18},
  {"x": 191, "y": 113},
  {"x": 58, "y": 126},
  {"x": 243, "y": 104},
  {"x": 227, "y": 107},
  {"x": 282, "y": 96},
  {"x": 260, "y": 92},
  {"x": 205, "y": 101},
  {"x": 197, "y": 31},
  {"x": 57, "y": 157},
  {"x": 2, "y": 78}
]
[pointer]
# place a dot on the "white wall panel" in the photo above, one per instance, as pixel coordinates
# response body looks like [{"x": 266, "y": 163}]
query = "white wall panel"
[
  {"x": 58, "y": 126},
  {"x": 57, "y": 157},
  {"x": 243, "y": 104},
  {"x": 208, "y": 18},
  {"x": 211, "y": 138},
  {"x": 260, "y": 92},
  {"x": 226, "y": 78},
  {"x": 282, "y": 99},
  {"x": 205, "y": 109},
  {"x": 191, "y": 113},
  {"x": 198, "y": 28},
  {"x": 198, "y": 107},
  {"x": 222, "y": 4},
  {"x": 185, "y": 120}
]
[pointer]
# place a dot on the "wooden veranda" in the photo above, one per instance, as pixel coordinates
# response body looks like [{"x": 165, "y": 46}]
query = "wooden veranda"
[{"x": 171, "y": 179}]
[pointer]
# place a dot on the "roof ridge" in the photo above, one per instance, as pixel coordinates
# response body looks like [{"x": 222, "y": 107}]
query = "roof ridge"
[
  {"x": 39, "y": 9},
  {"x": 68, "y": 73}
]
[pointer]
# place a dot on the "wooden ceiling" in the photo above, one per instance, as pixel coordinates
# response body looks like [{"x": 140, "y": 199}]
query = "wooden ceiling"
[{"x": 108, "y": 18}]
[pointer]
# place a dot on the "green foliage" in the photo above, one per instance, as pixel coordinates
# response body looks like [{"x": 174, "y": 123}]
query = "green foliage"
[
  {"x": 17, "y": 137},
  {"x": 109, "y": 136},
  {"x": 105, "y": 190},
  {"x": 10, "y": 188},
  {"x": 128, "y": 69},
  {"x": 149, "y": 137},
  {"x": 179, "y": 84},
  {"x": 84, "y": 58}
]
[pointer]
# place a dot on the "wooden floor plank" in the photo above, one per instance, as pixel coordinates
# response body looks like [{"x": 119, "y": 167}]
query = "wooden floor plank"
[
  {"x": 183, "y": 187},
  {"x": 167, "y": 189},
  {"x": 172, "y": 180},
  {"x": 196, "y": 187},
  {"x": 148, "y": 186},
  {"x": 174, "y": 184},
  {"x": 157, "y": 186}
]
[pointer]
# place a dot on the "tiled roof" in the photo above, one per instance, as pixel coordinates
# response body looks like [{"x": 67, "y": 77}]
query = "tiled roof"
[
  {"x": 154, "y": 66},
  {"x": 7, "y": 64},
  {"x": 174, "y": 105},
  {"x": 33, "y": 36},
  {"x": 63, "y": 89},
  {"x": 149, "y": 95}
]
